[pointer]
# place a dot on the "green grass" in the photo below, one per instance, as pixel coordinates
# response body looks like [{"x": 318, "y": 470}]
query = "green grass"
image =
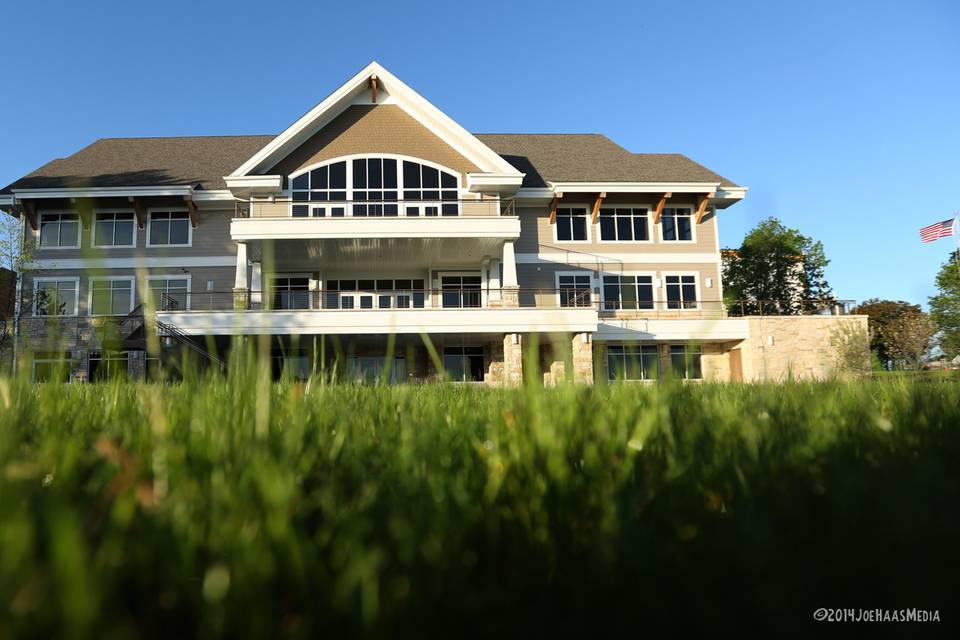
[{"x": 221, "y": 508}]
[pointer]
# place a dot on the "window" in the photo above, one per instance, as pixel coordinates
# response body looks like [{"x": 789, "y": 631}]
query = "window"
[
  {"x": 571, "y": 225},
  {"x": 460, "y": 291},
  {"x": 384, "y": 293},
  {"x": 676, "y": 225},
  {"x": 51, "y": 367},
  {"x": 113, "y": 229},
  {"x": 574, "y": 289},
  {"x": 169, "y": 228},
  {"x": 424, "y": 183},
  {"x": 107, "y": 365},
  {"x": 323, "y": 184},
  {"x": 685, "y": 361},
  {"x": 374, "y": 187},
  {"x": 111, "y": 296},
  {"x": 370, "y": 369},
  {"x": 463, "y": 363},
  {"x": 375, "y": 180},
  {"x": 170, "y": 294},
  {"x": 60, "y": 230},
  {"x": 681, "y": 292},
  {"x": 55, "y": 297},
  {"x": 627, "y": 292},
  {"x": 624, "y": 224},
  {"x": 633, "y": 362},
  {"x": 290, "y": 293}
]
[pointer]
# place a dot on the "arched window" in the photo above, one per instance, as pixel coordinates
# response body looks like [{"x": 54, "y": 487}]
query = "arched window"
[{"x": 375, "y": 186}]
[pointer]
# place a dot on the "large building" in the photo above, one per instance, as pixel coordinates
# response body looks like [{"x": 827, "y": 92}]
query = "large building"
[{"x": 377, "y": 215}]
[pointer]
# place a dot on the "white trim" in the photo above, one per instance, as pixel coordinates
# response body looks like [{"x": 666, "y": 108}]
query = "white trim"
[
  {"x": 7, "y": 200},
  {"x": 135, "y": 262},
  {"x": 350, "y": 227},
  {"x": 173, "y": 276},
  {"x": 103, "y": 192},
  {"x": 693, "y": 226},
  {"x": 649, "y": 216},
  {"x": 76, "y": 302},
  {"x": 92, "y": 279},
  {"x": 673, "y": 330},
  {"x": 36, "y": 234},
  {"x": 153, "y": 210},
  {"x": 580, "y": 272},
  {"x": 213, "y": 195},
  {"x": 557, "y": 256},
  {"x": 586, "y": 212},
  {"x": 653, "y": 288},
  {"x": 93, "y": 230},
  {"x": 493, "y": 182},
  {"x": 267, "y": 183},
  {"x": 696, "y": 284},
  {"x": 400, "y": 94},
  {"x": 634, "y": 187}
]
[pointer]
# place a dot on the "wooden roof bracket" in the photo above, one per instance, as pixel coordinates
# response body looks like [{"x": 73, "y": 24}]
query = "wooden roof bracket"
[
  {"x": 373, "y": 89},
  {"x": 658, "y": 210},
  {"x": 84, "y": 208},
  {"x": 138, "y": 211},
  {"x": 553, "y": 208},
  {"x": 192, "y": 208},
  {"x": 596, "y": 206},
  {"x": 702, "y": 205},
  {"x": 30, "y": 211}
]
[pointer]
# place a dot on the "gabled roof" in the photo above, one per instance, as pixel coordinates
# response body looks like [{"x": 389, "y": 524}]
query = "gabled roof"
[{"x": 591, "y": 157}]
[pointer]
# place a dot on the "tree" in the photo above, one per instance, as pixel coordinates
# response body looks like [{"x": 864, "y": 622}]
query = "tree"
[
  {"x": 945, "y": 306},
  {"x": 14, "y": 256},
  {"x": 776, "y": 266},
  {"x": 908, "y": 338},
  {"x": 880, "y": 315}
]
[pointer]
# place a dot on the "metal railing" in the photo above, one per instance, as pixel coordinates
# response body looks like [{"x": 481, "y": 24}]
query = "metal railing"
[{"x": 393, "y": 208}]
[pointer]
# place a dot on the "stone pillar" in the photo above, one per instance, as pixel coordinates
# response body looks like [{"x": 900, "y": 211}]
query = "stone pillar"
[
  {"x": 512, "y": 359},
  {"x": 137, "y": 365},
  {"x": 511, "y": 290},
  {"x": 582, "y": 349}
]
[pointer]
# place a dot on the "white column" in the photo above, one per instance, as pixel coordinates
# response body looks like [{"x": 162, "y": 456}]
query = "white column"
[
  {"x": 509, "y": 266},
  {"x": 240, "y": 281}
]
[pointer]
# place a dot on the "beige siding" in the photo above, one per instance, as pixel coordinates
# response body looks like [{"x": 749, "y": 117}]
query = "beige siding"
[{"x": 373, "y": 129}]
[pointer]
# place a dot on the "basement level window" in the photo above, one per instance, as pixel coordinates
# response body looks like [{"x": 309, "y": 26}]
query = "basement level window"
[
  {"x": 685, "y": 361},
  {"x": 571, "y": 225},
  {"x": 676, "y": 225},
  {"x": 463, "y": 363},
  {"x": 633, "y": 362}
]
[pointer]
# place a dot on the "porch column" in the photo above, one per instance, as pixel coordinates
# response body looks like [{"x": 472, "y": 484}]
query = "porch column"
[
  {"x": 511, "y": 290},
  {"x": 494, "y": 282},
  {"x": 241, "y": 291}
]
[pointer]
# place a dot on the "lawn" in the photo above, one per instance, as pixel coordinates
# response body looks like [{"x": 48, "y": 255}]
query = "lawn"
[{"x": 244, "y": 507}]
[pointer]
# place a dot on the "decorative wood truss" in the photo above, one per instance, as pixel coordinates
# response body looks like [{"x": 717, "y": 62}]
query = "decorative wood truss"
[
  {"x": 192, "y": 208},
  {"x": 702, "y": 205},
  {"x": 138, "y": 211},
  {"x": 658, "y": 210},
  {"x": 373, "y": 89},
  {"x": 596, "y": 206}
]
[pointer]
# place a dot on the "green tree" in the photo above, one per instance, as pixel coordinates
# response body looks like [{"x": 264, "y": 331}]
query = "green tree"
[
  {"x": 880, "y": 316},
  {"x": 908, "y": 338},
  {"x": 776, "y": 267},
  {"x": 945, "y": 306}
]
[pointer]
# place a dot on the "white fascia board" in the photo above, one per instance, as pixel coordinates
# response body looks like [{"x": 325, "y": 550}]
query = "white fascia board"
[
  {"x": 533, "y": 195},
  {"x": 403, "y": 96},
  {"x": 133, "y": 263},
  {"x": 103, "y": 192},
  {"x": 272, "y": 183},
  {"x": 582, "y": 257},
  {"x": 494, "y": 182},
  {"x": 634, "y": 187},
  {"x": 214, "y": 195},
  {"x": 383, "y": 322},
  {"x": 502, "y": 227},
  {"x": 6, "y": 200},
  {"x": 718, "y": 330}
]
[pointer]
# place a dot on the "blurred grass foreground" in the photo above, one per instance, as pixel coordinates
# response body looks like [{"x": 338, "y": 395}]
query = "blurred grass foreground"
[{"x": 237, "y": 506}]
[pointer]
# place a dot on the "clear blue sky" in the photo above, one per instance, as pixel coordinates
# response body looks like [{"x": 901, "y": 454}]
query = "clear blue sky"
[{"x": 841, "y": 117}]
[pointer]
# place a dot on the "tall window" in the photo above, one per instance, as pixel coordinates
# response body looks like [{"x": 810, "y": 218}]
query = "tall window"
[
  {"x": 463, "y": 363},
  {"x": 627, "y": 292},
  {"x": 169, "y": 228},
  {"x": 460, "y": 291},
  {"x": 681, "y": 292},
  {"x": 677, "y": 225},
  {"x": 375, "y": 187},
  {"x": 371, "y": 369},
  {"x": 290, "y": 293},
  {"x": 170, "y": 294},
  {"x": 383, "y": 293},
  {"x": 685, "y": 361},
  {"x": 574, "y": 290},
  {"x": 323, "y": 184},
  {"x": 571, "y": 225},
  {"x": 59, "y": 230},
  {"x": 633, "y": 362},
  {"x": 374, "y": 181},
  {"x": 55, "y": 298},
  {"x": 111, "y": 297},
  {"x": 623, "y": 224},
  {"x": 113, "y": 230}
]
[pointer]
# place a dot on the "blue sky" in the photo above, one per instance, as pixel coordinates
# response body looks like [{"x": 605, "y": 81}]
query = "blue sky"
[{"x": 841, "y": 117}]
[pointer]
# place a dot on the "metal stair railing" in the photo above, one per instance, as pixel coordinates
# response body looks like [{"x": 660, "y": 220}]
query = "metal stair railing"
[{"x": 169, "y": 331}]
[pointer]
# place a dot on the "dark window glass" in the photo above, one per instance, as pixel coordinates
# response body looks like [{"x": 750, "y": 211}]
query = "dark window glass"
[
  {"x": 607, "y": 227},
  {"x": 300, "y": 211},
  {"x": 338, "y": 177},
  {"x": 411, "y": 175},
  {"x": 375, "y": 173},
  {"x": 302, "y": 181},
  {"x": 685, "y": 361},
  {"x": 390, "y": 174},
  {"x": 360, "y": 174},
  {"x": 431, "y": 178},
  {"x": 448, "y": 180}
]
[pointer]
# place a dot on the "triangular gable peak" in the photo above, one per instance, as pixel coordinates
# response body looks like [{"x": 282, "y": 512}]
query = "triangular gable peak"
[{"x": 375, "y": 85}]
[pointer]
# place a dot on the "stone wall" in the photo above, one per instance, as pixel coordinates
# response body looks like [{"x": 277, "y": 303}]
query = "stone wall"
[{"x": 795, "y": 347}]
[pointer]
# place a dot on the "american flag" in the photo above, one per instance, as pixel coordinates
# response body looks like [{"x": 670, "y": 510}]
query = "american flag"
[{"x": 937, "y": 230}]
